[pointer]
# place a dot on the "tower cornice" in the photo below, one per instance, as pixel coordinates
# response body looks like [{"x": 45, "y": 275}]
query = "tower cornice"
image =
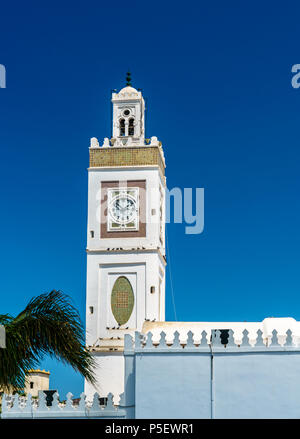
[
  {"x": 127, "y": 156},
  {"x": 105, "y": 251}
]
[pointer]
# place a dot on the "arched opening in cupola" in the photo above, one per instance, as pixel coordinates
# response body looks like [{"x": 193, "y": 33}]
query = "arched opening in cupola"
[
  {"x": 131, "y": 127},
  {"x": 122, "y": 127}
]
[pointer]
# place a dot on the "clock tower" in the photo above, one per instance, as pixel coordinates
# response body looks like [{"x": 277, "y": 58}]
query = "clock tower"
[{"x": 125, "y": 238}]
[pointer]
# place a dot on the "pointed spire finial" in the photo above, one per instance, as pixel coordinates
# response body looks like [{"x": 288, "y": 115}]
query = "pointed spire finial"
[{"x": 128, "y": 79}]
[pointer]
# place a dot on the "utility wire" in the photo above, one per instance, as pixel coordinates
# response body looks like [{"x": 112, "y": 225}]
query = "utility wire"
[{"x": 170, "y": 274}]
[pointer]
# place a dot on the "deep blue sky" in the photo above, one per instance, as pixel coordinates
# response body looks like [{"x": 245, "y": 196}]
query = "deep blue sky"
[{"x": 217, "y": 76}]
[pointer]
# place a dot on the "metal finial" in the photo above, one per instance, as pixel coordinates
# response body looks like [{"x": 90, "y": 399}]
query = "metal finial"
[{"x": 128, "y": 79}]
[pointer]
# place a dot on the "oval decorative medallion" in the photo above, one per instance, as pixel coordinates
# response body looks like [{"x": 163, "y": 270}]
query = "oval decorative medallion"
[{"x": 122, "y": 300}]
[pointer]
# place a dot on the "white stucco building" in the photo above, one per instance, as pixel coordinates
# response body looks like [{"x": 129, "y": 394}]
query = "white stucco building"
[
  {"x": 125, "y": 238},
  {"x": 176, "y": 370},
  {"x": 126, "y": 248},
  {"x": 36, "y": 380}
]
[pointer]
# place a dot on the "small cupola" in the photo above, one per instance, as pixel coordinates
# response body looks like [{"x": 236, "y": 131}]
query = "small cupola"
[{"x": 129, "y": 114}]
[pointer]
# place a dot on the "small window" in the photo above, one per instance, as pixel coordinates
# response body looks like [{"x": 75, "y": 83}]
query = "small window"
[
  {"x": 91, "y": 309},
  {"x": 122, "y": 127},
  {"x": 92, "y": 233},
  {"x": 131, "y": 127},
  {"x": 31, "y": 384},
  {"x": 152, "y": 290}
]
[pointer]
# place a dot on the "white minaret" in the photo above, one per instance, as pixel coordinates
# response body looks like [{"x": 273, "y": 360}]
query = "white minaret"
[{"x": 125, "y": 238}]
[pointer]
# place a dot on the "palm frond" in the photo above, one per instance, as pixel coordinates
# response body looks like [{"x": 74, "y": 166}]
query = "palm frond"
[{"x": 48, "y": 325}]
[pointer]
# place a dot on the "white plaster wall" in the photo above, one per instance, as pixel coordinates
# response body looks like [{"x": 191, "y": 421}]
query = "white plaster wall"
[
  {"x": 142, "y": 263},
  {"x": 257, "y": 386},
  {"x": 109, "y": 374},
  {"x": 172, "y": 386},
  {"x": 147, "y": 267}
]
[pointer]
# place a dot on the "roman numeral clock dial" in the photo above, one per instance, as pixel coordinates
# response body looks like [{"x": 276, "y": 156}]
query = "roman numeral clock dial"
[{"x": 123, "y": 209}]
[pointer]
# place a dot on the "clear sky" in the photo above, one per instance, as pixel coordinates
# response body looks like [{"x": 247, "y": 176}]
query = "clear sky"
[{"x": 217, "y": 77}]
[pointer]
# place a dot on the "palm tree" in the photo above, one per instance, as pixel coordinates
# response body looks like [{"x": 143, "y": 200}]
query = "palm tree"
[{"x": 48, "y": 325}]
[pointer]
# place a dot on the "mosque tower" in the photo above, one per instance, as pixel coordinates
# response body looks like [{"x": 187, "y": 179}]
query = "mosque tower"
[{"x": 125, "y": 238}]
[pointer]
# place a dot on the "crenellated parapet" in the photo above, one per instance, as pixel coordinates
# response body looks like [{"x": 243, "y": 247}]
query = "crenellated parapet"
[
  {"x": 123, "y": 142},
  {"x": 218, "y": 341},
  {"x": 16, "y": 406}
]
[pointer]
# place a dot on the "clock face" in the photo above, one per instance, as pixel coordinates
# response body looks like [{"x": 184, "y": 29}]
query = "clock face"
[{"x": 123, "y": 209}]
